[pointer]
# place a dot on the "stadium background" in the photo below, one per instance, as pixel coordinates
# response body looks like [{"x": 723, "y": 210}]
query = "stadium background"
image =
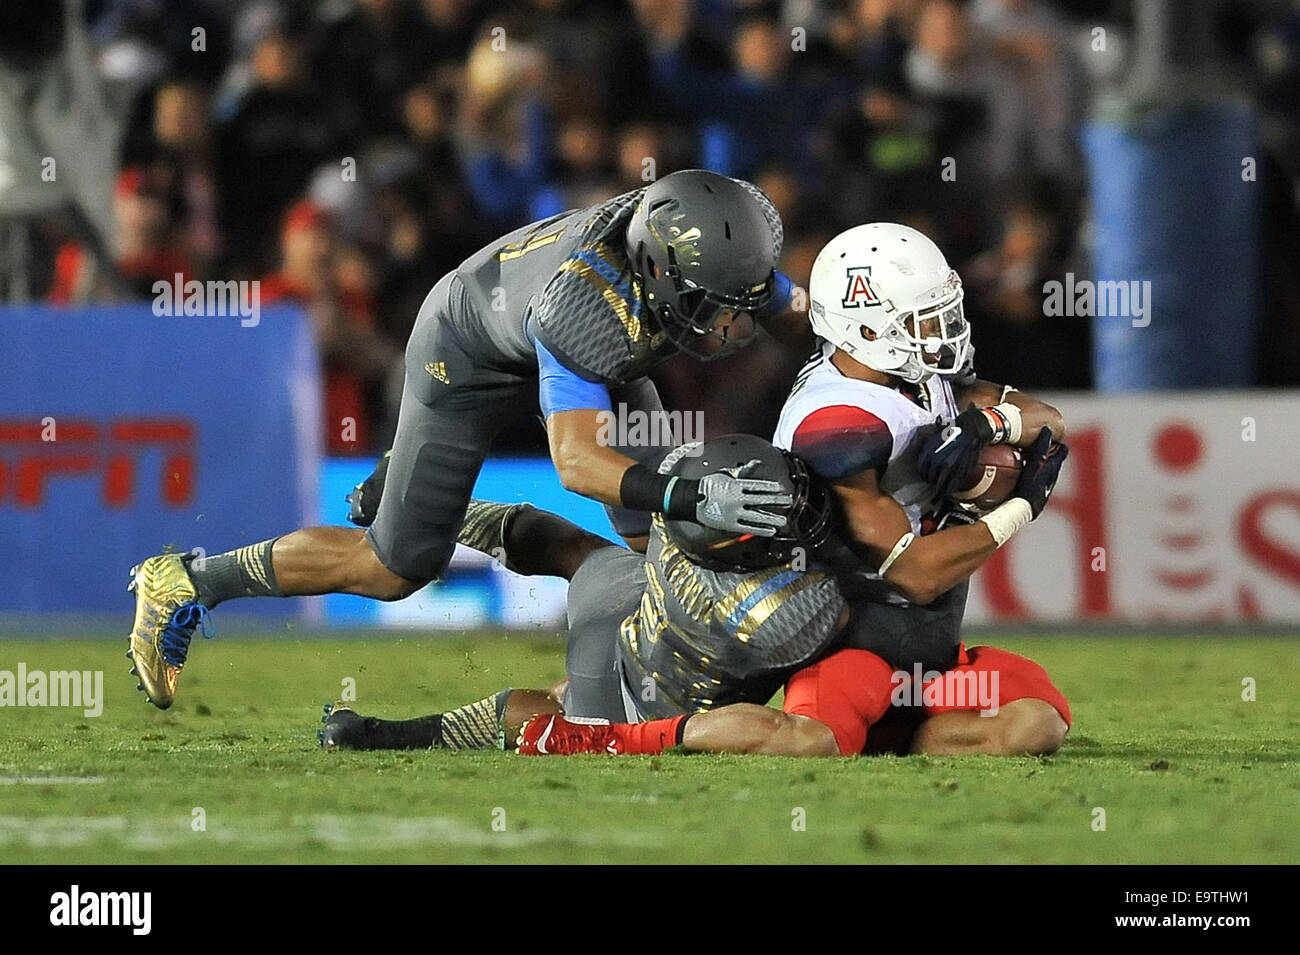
[{"x": 345, "y": 155}]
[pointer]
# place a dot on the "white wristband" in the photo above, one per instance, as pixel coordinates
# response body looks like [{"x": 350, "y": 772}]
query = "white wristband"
[
  {"x": 1007, "y": 518},
  {"x": 1015, "y": 424},
  {"x": 903, "y": 544}
]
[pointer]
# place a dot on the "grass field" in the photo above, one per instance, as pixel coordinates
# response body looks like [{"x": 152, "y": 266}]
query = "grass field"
[{"x": 1186, "y": 771}]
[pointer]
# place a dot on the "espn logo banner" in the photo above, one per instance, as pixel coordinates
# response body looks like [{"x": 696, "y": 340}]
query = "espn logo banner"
[{"x": 124, "y": 433}]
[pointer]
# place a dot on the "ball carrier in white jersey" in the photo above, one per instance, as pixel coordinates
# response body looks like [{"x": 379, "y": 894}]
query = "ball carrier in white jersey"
[{"x": 877, "y": 412}]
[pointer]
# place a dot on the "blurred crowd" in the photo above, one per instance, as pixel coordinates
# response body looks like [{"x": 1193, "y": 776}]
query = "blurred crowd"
[{"x": 349, "y": 152}]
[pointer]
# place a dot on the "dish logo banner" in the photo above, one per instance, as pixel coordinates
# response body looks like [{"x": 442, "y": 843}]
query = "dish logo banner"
[
  {"x": 1177, "y": 507},
  {"x": 123, "y": 433}
]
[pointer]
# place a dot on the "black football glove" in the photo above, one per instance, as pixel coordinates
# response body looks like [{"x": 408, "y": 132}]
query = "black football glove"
[
  {"x": 363, "y": 502},
  {"x": 1043, "y": 460},
  {"x": 951, "y": 452}
]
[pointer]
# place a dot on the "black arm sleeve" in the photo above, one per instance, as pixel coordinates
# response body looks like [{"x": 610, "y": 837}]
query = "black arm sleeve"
[{"x": 643, "y": 490}]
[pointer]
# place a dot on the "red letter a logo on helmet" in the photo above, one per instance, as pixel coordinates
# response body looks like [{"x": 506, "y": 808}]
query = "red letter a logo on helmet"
[{"x": 859, "y": 292}]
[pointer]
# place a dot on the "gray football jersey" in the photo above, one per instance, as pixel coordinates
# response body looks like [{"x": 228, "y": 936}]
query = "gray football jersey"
[
  {"x": 702, "y": 639},
  {"x": 566, "y": 281}
]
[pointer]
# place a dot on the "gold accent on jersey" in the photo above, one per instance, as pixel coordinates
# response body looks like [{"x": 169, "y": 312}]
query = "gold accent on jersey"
[
  {"x": 438, "y": 369},
  {"x": 622, "y": 310},
  {"x": 759, "y": 613},
  {"x": 675, "y": 573},
  {"x": 728, "y": 603},
  {"x": 653, "y": 612},
  {"x": 691, "y": 622},
  {"x": 630, "y": 632},
  {"x": 514, "y": 250},
  {"x": 683, "y": 577}
]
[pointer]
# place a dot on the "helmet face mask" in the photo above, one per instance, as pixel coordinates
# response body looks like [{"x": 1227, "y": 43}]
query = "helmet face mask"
[
  {"x": 813, "y": 511},
  {"x": 705, "y": 324},
  {"x": 940, "y": 333},
  {"x": 885, "y": 295}
]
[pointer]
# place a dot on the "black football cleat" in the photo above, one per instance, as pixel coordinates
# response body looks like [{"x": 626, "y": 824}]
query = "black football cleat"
[{"x": 344, "y": 728}]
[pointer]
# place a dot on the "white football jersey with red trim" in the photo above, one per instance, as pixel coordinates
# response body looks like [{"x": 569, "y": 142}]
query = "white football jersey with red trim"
[{"x": 841, "y": 426}]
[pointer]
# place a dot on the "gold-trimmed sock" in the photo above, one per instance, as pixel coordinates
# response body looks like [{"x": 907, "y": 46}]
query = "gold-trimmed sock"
[
  {"x": 479, "y": 725},
  {"x": 243, "y": 572},
  {"x": 485, "y": 527}
]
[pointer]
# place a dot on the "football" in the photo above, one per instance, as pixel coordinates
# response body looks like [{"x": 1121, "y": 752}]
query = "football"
[{"x": 992, "y": 479}]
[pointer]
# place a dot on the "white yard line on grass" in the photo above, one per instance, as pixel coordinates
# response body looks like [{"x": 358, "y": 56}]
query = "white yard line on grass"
[{"x": 335, "y": 832}]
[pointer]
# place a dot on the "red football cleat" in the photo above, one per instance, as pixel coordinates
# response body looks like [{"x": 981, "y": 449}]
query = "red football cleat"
[{"x": 556, "y": 736}]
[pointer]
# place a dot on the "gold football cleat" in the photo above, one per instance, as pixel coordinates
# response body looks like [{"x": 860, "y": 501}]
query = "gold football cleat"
[{"x": 166, "y": 612}]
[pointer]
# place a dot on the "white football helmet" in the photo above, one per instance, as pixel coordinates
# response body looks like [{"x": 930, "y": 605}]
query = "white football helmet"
[{"x": 894, "y": 282}]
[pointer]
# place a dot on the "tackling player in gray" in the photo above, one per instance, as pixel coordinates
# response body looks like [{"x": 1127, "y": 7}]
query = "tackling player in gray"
[{"x": 580, "y": 307}]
